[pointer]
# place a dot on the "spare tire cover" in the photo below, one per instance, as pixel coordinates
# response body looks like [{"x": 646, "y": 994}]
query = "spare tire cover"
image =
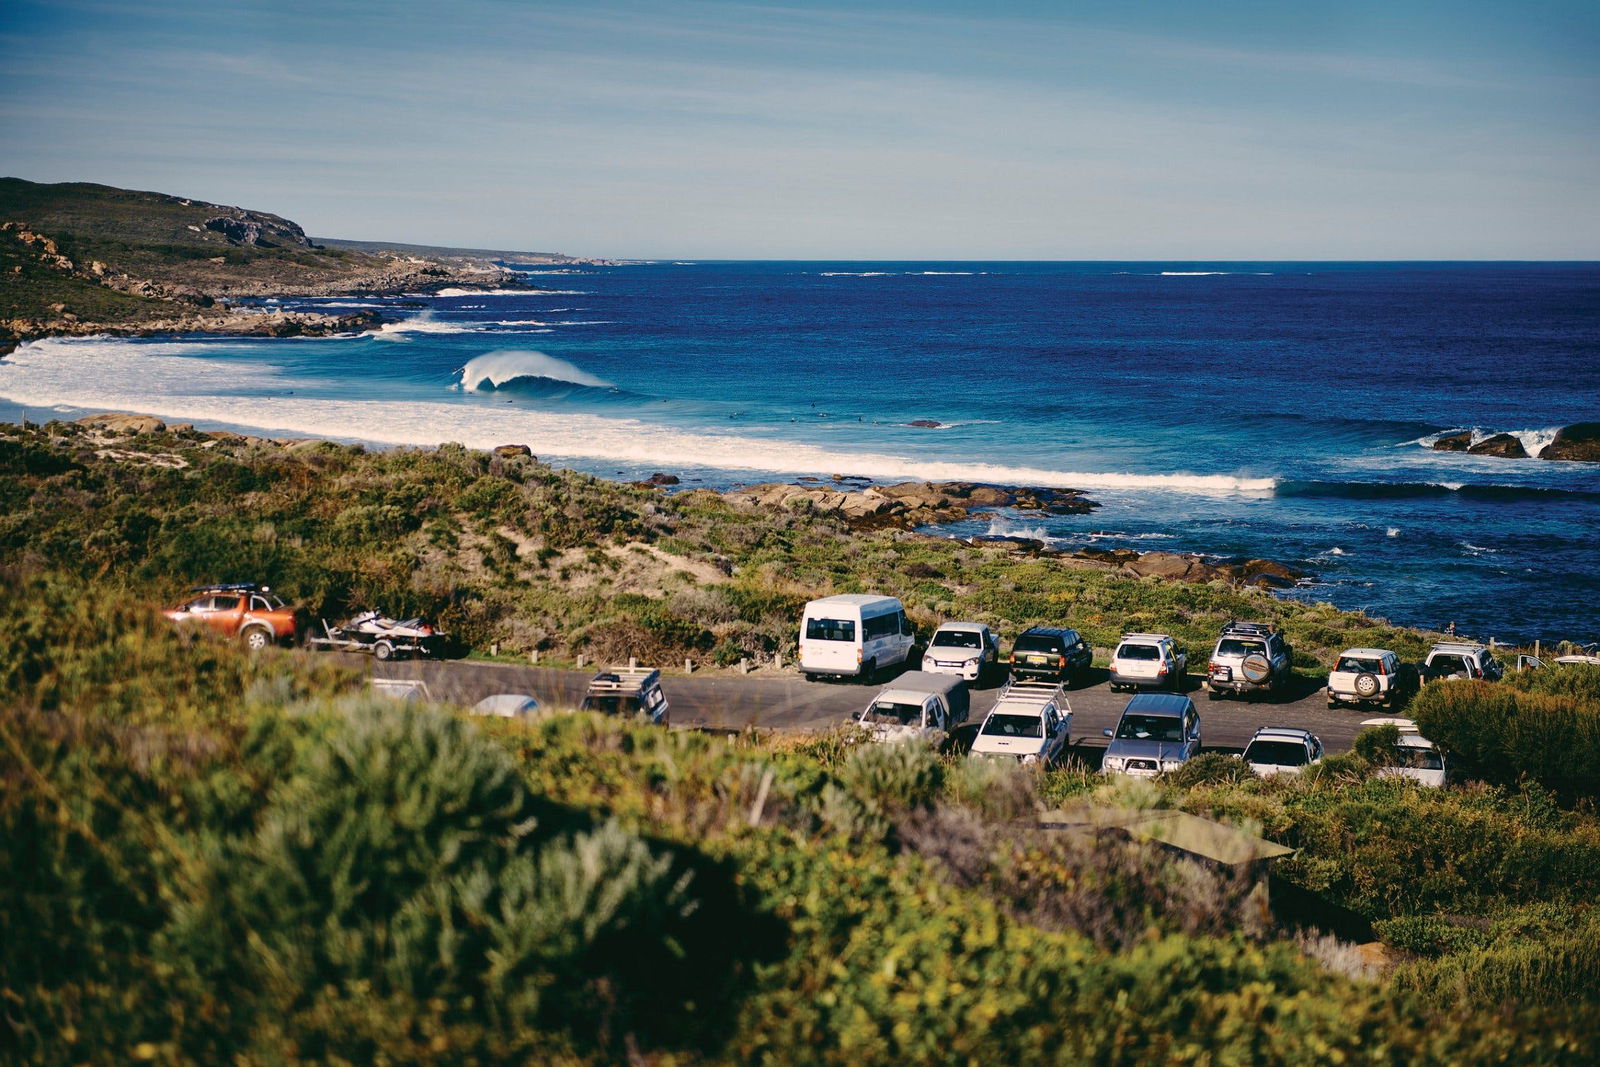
[
  {"x": 1256, "y": 667},
  {"x": 1366, "y": 684}
]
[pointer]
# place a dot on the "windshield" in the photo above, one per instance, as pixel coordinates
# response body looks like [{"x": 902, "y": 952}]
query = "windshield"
[
  {"x": 1014, "y": 726},
  {"x": 957, "y": 639},
  {"x": 1150, "y": 728},
  {"x": 1232, "y": 646},
  {"x": 1278, "y": 753},
  {"x": 830, "y": 630},
  {"x": 1037, "y": 643},
  {"x": 1355, "y": 666},
  {"x": 1138, "y": 652},
  {"x": 612, "y": 705},
  {"x": 892, "y": 713},
  {"x": 1426, "y": 759}
]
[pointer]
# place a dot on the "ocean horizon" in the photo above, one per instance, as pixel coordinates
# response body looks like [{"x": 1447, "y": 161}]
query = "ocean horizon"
[{"x": 1266, "y": 409}]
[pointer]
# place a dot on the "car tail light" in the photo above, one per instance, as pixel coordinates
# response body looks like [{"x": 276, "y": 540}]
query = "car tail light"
[
  {"x": 1013, "y": 658},
  {"x": 1061, "y": 661},
  {"x": 1161, "y": 670}
]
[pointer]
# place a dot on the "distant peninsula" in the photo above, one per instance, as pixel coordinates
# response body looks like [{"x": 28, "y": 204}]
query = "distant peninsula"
[{"x": 79, "y": 258}]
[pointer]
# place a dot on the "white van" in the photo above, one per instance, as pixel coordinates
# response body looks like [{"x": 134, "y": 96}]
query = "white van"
[{"x": 853, "y": 635}]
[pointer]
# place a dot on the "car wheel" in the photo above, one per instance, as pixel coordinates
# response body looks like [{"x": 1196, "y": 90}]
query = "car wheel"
[
  {"x": 383, "y": 650},
  {"x": 1366, "y": 685},
  {"x": 255, "y": 639},
  {"x": 869, "y": 671},
  {"x": 1213, "y": 695}
]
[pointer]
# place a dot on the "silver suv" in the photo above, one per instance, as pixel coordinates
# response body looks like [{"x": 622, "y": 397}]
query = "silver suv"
[
  {"x": 1461, "y": 659},
  {"x": 1250, "y": 657},
  {"x": 1148, "y": 661},
  {"x": 1370, "y": 676}
]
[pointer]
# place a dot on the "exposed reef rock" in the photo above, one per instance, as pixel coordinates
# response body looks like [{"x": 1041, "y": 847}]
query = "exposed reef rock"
[
  {"x": 1580, "y": 441},
  {"x": 911, "y": 504},
  {"x": 1500, "y": 444}
]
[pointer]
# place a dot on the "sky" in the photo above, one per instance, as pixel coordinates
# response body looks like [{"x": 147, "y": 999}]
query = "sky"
[{"x": 1128, "y": 129}]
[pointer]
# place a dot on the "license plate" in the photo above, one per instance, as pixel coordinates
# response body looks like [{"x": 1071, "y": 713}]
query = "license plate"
[{"x": 1222, "y": 674}]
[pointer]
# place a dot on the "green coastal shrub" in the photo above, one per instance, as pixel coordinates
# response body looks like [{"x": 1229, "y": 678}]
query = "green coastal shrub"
[{"x": 1549, "y": 734}]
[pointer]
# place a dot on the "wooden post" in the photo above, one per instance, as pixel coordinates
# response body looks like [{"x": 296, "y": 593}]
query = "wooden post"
[
  {"x": 633, "y": 661},
  {"x": 777, "y": 660},
  {"x": 1536, "y": 648},
  {"x": 494, "y": 649},
  {"x": 1491, "y": 644},
  {"x": 580, "y": 661},
  {"x": 744, "y": 666},
  {"x": 688, "y": 666},
  {"x": 533, "y": 656}
]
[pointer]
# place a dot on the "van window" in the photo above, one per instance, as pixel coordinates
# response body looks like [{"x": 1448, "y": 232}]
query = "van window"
[
  {"x": 881, "y": 626},
  {"x": 1138, "y": 652},
  {"x": 830, "y": 630}
]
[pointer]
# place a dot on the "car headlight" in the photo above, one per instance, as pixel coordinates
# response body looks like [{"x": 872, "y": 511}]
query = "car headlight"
[
  {"x": 1111, "y": 763},
  {"x": 1170, "y": 765}
]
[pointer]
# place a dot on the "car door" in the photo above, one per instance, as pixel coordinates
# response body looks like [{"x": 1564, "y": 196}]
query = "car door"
[
  {"x": 226, "y": 613},
  {"x": 1191, "y": 734}
]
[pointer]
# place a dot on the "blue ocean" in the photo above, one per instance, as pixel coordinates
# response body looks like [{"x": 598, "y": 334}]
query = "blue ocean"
[{"x": 1277, "y": 410}]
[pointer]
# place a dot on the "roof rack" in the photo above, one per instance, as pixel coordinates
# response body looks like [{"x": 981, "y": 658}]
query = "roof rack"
[
  {"x": 1254, "y": 629},
  {"x": 1145, "y": 637},
  {"x": 621, "y": 680},
  {"x": 1030, "y": 690},
  {"x": 231, "y": 587},
  {"x": 1458, "y": 646}
]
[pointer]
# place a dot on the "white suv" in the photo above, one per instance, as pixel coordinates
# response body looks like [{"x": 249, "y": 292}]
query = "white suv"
[
  {"x": 1461, "y": 659},
  {"x": 1148, "y": 661},
  {"x": 1370, "y": 676},
  {"x": 965, "y": 649},
  {"x": 1250, "y": 657}
]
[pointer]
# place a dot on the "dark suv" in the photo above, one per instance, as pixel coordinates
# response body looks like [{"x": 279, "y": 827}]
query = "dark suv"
[{"x": 1049, "y": 652}]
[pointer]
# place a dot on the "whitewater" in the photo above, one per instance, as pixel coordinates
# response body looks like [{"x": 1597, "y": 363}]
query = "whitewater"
[{"x": 1269, "y": 410}]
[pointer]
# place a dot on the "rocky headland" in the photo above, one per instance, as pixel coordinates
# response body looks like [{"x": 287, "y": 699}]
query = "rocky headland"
[{"x": 81, "y": 259}]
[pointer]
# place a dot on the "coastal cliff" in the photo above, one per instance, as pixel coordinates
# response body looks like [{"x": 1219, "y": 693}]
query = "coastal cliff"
[{"x": 78, "y": 258}]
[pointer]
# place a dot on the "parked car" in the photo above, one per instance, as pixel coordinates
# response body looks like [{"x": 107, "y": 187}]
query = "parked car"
[
  {"x": 853, "y": 635},
  {"x": 1370, "y": 676},
  {"x": 506, "y": 706},
  {"x": 1282, "y": 750},
  {"x": 1158, "y": 732},
  {"x": 1416, "y": 758},
  {"x": 1050, "y": 652},
  {"x": 629, "y": 691},
  {"x": 917, "y": 706},
  {"x": 1250, "y": 657},
  {"x": 1030, "y": 722},
  {"x": 1461, "y": 659},
  {"x": 253, "y": 613},
  {"x": 404, "y": 690},
  {"x": 1148, "y": 661},
  {"x": 965, "y": 649}
]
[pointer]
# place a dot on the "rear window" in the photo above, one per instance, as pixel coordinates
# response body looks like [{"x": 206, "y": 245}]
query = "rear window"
[
  {"x": 1356, "y": 666},
  {"x": 830, "y": 630},
  {"x": 1038, "y": 643},
  {"x": 612, "y": 705},
  {"x": 1014, "y": 726},
  {"x": 1452, "y": 664},
  {"x": 1232, "y": 646},
  {"x": 1276, "y": 753},
  {"x": 1138, "y": 652}
]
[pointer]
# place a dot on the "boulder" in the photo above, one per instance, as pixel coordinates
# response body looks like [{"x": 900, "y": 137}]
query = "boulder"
[
  {"x": 1580, "y": 441},
  {"x": 1460, "y": 441},
  {"x": 664, "y": 479},
  {"x": 1171, "y": 565},
  {"x": 925, "y": 424},
  {"x": 1501, "y": 444},
  {"x": 513, "y": 450},
  {"x": 119, "y": 423}
]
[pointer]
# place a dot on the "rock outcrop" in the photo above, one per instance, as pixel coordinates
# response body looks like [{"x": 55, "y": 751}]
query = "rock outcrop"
[
  {"x": 911, "y": 504},
  {"x": 1580, "y": 441},
  {"x": 116, "y": 422},
  {"x": 1500, "y": 444}
]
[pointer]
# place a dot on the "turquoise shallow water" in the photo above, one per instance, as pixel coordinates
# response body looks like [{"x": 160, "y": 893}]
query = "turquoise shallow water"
[{"x": 1271, "y": 409}]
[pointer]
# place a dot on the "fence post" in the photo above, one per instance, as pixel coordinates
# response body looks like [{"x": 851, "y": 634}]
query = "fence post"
[
  {"x": 633, "y": 661},
  {"x": 777, "y": 660},
  {"x": 533, "y": 656},
  {"x": 494, "y": 649},
  {"x": 688, "y": 666},
  {"x": 580, "y": 661},
  {"x": 744, "y": 666}
]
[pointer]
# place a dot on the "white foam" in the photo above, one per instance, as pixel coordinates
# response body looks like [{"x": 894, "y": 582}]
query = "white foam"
[
  {"x": 494, "y": 369},
  {"x": 1393, "y": 531},
  {"x": 855, "y": 273},
  {"x": 1193, "y": 273},
  {"x": 172, "y": 381},
  {"x": 1000, "y": 526},
  {"x": 454, "y": 291}
]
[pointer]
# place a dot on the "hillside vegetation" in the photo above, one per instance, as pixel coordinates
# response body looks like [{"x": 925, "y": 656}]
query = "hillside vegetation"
[
  {"x": 78, "y": 257},
  {"x": 215, "y": 857}
]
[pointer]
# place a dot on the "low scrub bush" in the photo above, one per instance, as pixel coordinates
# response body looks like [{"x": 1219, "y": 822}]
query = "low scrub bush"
[{"x": 1549, "y": 735}]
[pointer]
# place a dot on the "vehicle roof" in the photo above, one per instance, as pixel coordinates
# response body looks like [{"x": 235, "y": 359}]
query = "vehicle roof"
[
  {"x": 622, "y": 680},
  {"x": 1019, "y": 698},
  {"x": 1252, "y": 629},
  {"x": 231, "y": 587},
  {"x": 1283, "y": 733},
  {"x": 1172, "y": 704},
  {"x": 972, "y": 627},
  {"x": 1047, "y": 630},
  {"x": 854, "y": 600},
  {"x": 1145, "y": 637},
  {"x": 1457, "y": 646},
  {"x": 1403, "y": 725},
  {"x": 1366, "y": 652}
]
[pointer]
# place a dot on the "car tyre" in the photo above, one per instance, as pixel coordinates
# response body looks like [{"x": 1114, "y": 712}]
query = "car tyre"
[
  {"x": 383, "y": 650},
  {"x": 869, "y": 671},
  {"x": 255, "y": 638},
  {"x": 1366, "y": 685}
]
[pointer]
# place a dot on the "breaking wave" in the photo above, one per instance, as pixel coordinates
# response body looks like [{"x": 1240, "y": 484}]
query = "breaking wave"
[{"x": 498, "y": 369}]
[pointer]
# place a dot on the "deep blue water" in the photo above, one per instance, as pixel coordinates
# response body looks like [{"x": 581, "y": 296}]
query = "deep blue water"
[{"x": 1272, "y": 409}]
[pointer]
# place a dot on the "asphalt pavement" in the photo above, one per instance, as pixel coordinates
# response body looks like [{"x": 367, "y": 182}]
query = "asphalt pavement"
[{"x": 765, "y": 700}]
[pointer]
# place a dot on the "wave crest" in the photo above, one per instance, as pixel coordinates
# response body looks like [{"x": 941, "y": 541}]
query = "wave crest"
[{"x": 495, "y": 370}]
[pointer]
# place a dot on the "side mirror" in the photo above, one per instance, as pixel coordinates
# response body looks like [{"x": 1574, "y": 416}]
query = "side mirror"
[{"x": 1107, "y": 732}]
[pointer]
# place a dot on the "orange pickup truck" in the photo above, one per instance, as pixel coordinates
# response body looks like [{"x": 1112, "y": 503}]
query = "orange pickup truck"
[{"x": 250, "y": 612}]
